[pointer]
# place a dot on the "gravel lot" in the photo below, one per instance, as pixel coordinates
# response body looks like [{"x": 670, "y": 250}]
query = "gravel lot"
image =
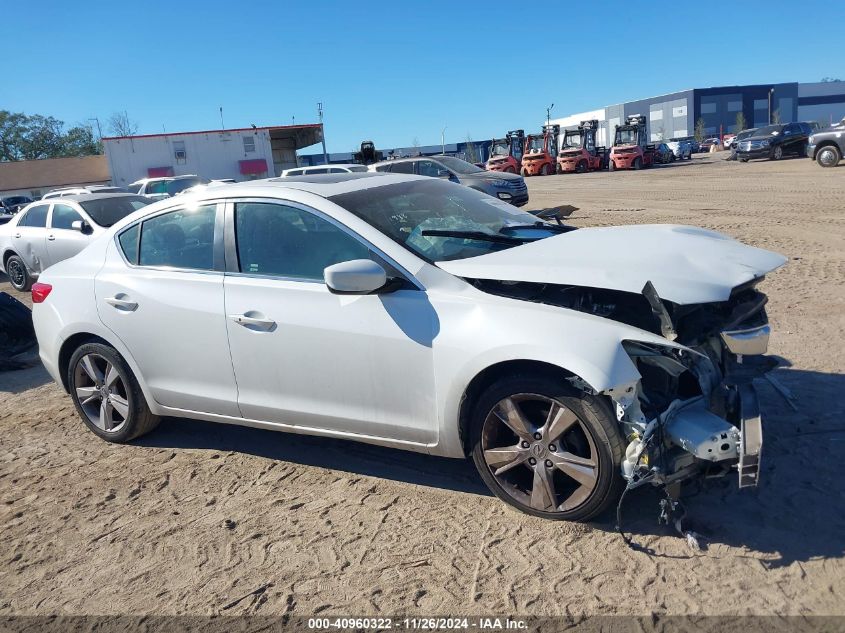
[{"x": 200, "y": 518}]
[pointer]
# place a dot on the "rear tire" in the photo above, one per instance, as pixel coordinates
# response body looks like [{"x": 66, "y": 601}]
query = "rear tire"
[
  {"x": 524, "y": 173},
  {"x": 828, "y": 156},
  {"x": 97, "y": 371},
  {"x": 19, "y": 276},
  {"x": 575, "y": 474},
  {"x": 546, "y": 169},
  {"x": 581, "y": 167}
]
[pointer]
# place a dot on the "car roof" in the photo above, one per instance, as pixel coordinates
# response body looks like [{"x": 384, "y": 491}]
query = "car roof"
[{"x": 87, "y": 197}]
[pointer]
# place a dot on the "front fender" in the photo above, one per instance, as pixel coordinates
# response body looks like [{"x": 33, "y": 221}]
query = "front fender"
[{"x": 484, "y": 334}]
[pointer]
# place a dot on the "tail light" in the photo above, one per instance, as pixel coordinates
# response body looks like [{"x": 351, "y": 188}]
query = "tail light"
[{"x": 40, "y": 292}]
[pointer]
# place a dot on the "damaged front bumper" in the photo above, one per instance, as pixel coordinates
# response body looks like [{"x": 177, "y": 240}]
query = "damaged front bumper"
[{"x": 709, "y": 433}]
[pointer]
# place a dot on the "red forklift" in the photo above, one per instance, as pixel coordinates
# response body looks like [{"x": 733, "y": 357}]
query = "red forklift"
[
  {"x": 631, "y": 149},
  {"x": 540, "y": 152},
  {"x": 578, "y": 151},
  {"x": 506, "y": 153}
]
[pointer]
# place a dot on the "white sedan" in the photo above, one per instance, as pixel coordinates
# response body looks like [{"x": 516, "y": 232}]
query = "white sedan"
[
  {"x": 415, "y": 313},
  {"x": 53, "y": 229}
]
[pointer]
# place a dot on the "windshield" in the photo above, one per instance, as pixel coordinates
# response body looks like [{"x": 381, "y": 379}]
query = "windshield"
[
  {"x": 458, "y": 165},
  {"x": 745, "y": 134},
  {"x": 404, "y": 211},
  {"x": 180, "y": 184},
  {"x": 16, "y": 200},
  {"x": 572, "y": 139},
  {"x": 107, "y": 211},
  {"x": 769, "y": 130},
  {"x": 537, "y": 143},
  {"x": 626, "y": 136},
  {"x": 501, "y": 148}
]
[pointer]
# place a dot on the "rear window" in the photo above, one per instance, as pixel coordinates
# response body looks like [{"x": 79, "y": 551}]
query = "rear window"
[
  {"x": 107, "y": 211},
  {"x": 129, "y": 243},
  {"x": 35, "y": 217},
  {"x": 180, "y": 184}
]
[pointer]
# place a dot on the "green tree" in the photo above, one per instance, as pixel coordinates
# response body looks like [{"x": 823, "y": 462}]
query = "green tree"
[
  {"x": 30, "y": 137},
  {"x": 741, "y": 123},
  {"x": 699, "y": 130}
]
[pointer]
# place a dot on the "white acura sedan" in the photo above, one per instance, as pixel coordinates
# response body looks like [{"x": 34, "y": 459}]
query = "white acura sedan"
[{"x": 415, "y": 313}]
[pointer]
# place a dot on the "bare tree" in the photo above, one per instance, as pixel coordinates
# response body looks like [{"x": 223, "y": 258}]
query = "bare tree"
[
  {"x": 471, "y": 154},
  {"x": 121, "y": 125},
  {"x": 741, "y": 123},
  {"x": 776, "y": 117}
]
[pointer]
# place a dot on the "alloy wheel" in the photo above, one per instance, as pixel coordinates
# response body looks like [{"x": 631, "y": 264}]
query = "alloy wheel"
[
  {"x": 827, "y": 157},
  {"x": 540, "y": 452},
  {"x": 101, "y": 392},
  {"x": 17, "y": 275}
]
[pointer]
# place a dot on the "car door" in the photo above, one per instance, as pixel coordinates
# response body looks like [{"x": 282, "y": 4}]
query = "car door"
[
  {"x": 63, "y": 241},
  {"x": 161, "y": 292},
  {"x": 305, "y": 357},
  {"x": 29, "y": 239}
]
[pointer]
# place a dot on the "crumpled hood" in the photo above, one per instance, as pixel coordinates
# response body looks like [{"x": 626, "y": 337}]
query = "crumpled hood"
[{"x": 686, "y": 264}]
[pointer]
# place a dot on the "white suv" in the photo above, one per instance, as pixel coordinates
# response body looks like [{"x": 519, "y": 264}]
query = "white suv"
[
  {"x": 416, "y": 313},
  {"x": 324, "y": 169},
  {"x": 165, "y": 187}
]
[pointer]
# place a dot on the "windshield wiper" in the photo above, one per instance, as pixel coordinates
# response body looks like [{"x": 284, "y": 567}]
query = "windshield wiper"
[
  {"x": 476, "y": 235},
  {"x": 543, "y": 226}
]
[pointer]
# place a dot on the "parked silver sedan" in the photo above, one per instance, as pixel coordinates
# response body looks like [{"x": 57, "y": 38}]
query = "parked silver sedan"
[{"x": 48, "y": 231}]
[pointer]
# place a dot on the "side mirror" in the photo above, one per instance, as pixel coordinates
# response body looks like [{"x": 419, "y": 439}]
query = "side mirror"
[
  {"x": 80, "y": 225},
  {"x": 444, "y": 173},
  {"x": 355, "y": 277}
]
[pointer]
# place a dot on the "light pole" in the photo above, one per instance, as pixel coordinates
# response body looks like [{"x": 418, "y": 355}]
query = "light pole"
[
  {"x": 322, "y": 132},
  {"x": 549, "y": 114},
  {"x": 771, "y": 91},
  {"x": 99, "y": 131},
  {"x": 443, "y": 140}
]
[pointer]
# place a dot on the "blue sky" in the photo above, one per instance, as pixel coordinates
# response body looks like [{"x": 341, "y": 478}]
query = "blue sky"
[{"x": 394, "y": 71}]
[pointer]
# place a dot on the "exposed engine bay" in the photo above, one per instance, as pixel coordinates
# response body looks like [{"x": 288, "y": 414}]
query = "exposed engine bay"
[{"x": 694, "y": 411}]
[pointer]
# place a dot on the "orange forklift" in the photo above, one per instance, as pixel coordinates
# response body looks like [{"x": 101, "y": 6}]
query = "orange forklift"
[
  {"x": 630, "y": 147},
  {"x": 540, "y": 152},
  {"x": 506, "y": 153},
  {"x": 578, "y": 151}
]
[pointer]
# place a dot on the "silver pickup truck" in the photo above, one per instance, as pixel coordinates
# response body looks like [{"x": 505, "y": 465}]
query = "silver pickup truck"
[{"x": 827, "y": 146}]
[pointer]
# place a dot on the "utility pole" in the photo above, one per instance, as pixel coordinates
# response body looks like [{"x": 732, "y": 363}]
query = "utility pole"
[
  {"x": 771, "y": 90},
  {"x": 99, "y": 131},
  {"x": 443, "y": 140},
  {"x": 322, "y": 132},
  {"x": 549, "y": 114}
]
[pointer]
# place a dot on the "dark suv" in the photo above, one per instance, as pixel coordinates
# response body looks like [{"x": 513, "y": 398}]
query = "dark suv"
[
  {"x": 827, "y": 146},
  {"x": 775, "y": 141}
]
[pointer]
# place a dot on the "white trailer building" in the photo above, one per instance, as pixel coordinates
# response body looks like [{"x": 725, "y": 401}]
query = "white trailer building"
[{"x": 242, "y": 154}]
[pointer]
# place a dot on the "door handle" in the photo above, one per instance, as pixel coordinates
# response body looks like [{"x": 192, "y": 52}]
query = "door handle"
[
  {"x": 122, "y": 304},
  {"x": 252, "y": 322},
  {"x": 17, "y": 234},
  {"x": 51, "y": 237}
]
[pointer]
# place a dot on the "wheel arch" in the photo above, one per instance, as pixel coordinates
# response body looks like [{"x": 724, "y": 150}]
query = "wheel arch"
[
  {"x": 489, "y": 375},
  {"x": 70, "y": 345}
]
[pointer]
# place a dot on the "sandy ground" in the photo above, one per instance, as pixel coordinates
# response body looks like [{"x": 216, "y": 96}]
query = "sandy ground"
[{"x": 200, "y": 518}]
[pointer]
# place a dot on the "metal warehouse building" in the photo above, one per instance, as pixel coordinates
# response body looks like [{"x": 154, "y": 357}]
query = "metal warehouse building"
[
  {"x": 242, "y": 154},
  {"x": 674, "y": 115}
]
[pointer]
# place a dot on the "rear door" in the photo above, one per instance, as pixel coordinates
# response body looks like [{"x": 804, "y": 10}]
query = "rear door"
[
  {"x": 29, "y": 240},
  {"x": 62, "y": 241},
  {"x": 161, "y": 291}
]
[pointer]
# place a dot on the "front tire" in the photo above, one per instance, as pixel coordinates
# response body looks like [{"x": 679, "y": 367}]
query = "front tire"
[
  {"x": 19, "y": 276},
  {"x": 828, "y": 156},
  {"x": 546, "y": 449},
  {"x": 107, "y": 395},
  {"x": 637, "y": 164},
  {"x": 777, "y": 153}
]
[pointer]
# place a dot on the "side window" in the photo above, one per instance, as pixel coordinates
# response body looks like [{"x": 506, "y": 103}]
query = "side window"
[
  {"x": 405, "y": 167},
  {"x": 429, "y": 168},
  {"x": 36, "y": 217},
  {"x": 337, "y": 170},
  {"x": 159, "y": 186},
  {"x": 129, "y": 243},
  {"x": 294, "y": 172},
  {"x": 63, "y": 216},
  {"x": 383, "y": 168},
  {"x": 275, "y": 239},
  {"x": 180, "y": 239},
  {"x": 319, "y": 170}
]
